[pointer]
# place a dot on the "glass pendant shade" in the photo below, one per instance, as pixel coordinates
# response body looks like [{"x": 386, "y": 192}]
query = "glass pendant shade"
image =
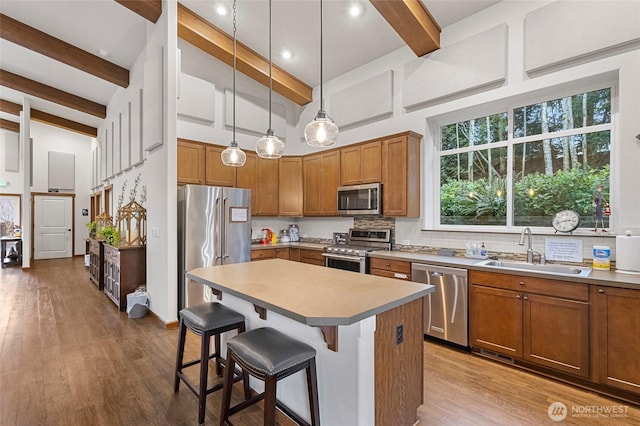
[
  {"x": 270, "y": 146},
  {"x": 322, "y": 131},
  {"x": 233, "y": 156}
]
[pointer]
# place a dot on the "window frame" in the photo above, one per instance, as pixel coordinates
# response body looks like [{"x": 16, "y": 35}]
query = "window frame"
[
  {"x": 433, "y": 152},
  {"x": 19, "y": 215}
]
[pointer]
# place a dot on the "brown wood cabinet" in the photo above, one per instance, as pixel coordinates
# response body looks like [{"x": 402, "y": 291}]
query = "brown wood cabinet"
[
  {"x": 294, "y": 254},
  {"x": 191, "y": 162},
  {"x": 290, "y": 188},
  {"x": 282, "y": 253},
  {"x": 260, "y": 175},
  {"x": 311, "y": 256},
  {"x": 321, "y": 175},
  {"x": 262, "y": 254},
  {"x": 398, "y": 269},
  {"x": 615, "y": 330},
  {"x": 124, "y": 270},
  {"x": 218, "y": 174},
  {"x": 361, "y": 163},
  {"x": 542, "y": 321},
  {"x": 96, "y": 263},
  {"x": 401, "y": 175}
]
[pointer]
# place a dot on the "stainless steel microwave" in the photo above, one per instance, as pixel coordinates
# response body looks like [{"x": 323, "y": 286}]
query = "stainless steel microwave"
[{"x": 360, "y": 199}]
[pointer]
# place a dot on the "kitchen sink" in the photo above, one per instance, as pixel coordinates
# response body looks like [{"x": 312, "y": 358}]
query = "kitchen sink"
[{"x": 551, "y": 269}]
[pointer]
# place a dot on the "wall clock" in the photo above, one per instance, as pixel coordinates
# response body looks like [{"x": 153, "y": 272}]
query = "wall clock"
[{"x": 566, "y": 221}]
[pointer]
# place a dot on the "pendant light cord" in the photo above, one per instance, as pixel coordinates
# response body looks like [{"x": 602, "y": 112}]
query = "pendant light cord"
[
  {"x": 234, "y": 73},
  {"x": 270, "y": 75},
  {"x": 321, "y": 56}
]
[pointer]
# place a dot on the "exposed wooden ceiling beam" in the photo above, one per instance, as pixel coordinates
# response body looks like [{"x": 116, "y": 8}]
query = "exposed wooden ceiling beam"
[
  {"x": 9, "y": 125},
  {"x": 50, "y": 119},
  {"x": 63, "y": 123},
  {"x": 52, "y": 94},
  {"x": 33, "y": 39},
  {"x": 412, "y": 22},
  {"x": 148, "y": 9},
  {"x": 10, "y": 107},
  {"x": 210, "y": 39}
]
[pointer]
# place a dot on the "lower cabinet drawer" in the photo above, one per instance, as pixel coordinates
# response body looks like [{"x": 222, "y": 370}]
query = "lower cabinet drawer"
[
  {"x": 263, "y": 254},
  {"x": 390, "y": 274}
]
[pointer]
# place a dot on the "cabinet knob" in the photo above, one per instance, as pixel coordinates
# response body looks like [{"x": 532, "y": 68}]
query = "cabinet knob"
[
  {"x": 517, "y": 296},
  {"x": 525, "y": 298},
  {"x": 601, "y": 291},
  {"x": 388, "y": 264},
  {"x": 521, "y": 282}
]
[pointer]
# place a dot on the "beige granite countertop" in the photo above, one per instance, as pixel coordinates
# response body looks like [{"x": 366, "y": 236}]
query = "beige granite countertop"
[
  {"x": 605, "y": 278},
  {"x": 310, "y": 294},
  {"x": 301, "y": 244}
]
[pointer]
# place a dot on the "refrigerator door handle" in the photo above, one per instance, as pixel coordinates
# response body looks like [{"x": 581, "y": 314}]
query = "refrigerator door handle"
[
  {"x": 216, "y": 241},
  {"x": 223, "y": 234}
]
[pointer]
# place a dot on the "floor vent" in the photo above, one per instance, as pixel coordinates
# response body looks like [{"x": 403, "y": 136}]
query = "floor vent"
[{"x": 497, "y": 356}]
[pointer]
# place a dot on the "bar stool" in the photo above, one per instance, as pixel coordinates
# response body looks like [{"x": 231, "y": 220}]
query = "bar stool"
[
  {"x": 269, "y": 355},
  {"x": 206, "y": 320}
]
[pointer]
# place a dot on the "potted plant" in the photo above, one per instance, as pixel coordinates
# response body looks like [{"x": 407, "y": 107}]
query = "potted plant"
[
  {"x": 110, "y": 235},
  {"x": 91, "y": 226}
]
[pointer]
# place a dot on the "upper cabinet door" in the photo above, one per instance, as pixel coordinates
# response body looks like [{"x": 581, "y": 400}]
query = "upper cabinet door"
[
  {"x": 401, "y": 175},
  {"x": 361, "y": 163},
  {"x": 371, "y": 162},
  {"x": 191, "y": 162},
  {"x": 217, "y": 173},
  {"x": 290, "y": 190}
]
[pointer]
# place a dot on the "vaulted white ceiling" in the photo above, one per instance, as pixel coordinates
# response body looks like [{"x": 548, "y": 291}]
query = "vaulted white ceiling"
[{"x": 108, "y": 29}]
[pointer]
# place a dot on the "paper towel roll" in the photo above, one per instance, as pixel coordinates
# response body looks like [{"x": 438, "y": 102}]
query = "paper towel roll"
[{"x": 628, "y": 253}]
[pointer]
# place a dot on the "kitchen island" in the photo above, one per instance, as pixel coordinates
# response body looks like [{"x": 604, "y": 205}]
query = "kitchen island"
[{"x": 367, "y": 332}]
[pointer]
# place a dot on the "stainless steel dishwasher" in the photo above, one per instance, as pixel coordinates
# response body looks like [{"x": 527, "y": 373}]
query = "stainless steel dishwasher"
[{"x": 446, "y": 309}]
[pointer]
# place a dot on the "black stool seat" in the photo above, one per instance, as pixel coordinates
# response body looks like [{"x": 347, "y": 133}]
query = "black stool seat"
[
  {"x": 209, "y": 316},
  {"x": 206, "y": 320},
  {"x": 269, "y": 355},
  {"x": 269, "y": 351}
]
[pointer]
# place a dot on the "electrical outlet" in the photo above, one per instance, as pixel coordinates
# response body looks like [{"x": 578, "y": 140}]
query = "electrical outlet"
[
  {"x": 155, "y": 232},
  {"x": 399, "y": 334}
]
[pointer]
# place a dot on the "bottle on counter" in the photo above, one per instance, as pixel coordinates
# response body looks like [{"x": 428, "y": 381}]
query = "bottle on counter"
[{"x": 483, "y": 250}]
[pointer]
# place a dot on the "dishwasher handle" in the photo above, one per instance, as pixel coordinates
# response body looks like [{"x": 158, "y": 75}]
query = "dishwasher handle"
[{"x": 418, "y": 269}]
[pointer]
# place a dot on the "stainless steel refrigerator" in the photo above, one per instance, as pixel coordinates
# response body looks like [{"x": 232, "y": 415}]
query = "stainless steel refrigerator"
[{"x": 214, "y": 228}]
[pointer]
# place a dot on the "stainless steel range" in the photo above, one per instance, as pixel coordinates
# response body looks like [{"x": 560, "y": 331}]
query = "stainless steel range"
[{"x": 351, "y": 252}]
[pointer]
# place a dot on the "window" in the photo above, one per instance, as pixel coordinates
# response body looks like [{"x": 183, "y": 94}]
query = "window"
[
  {"x": 10, "y": 214},
  {"x": 521, "y": 166}
]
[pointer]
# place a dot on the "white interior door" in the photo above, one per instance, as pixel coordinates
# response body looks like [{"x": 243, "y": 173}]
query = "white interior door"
[{"x": 53, "y": 225}]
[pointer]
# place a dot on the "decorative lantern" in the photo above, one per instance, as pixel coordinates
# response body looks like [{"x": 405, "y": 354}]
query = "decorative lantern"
[
  {"x": 102, "y": 220},
  {"x": 132, "y": 225}
]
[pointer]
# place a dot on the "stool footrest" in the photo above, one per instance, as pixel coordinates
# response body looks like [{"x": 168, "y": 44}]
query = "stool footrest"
[
  {"x": 197, "y": 361},
  {"x": 236, "y": 378}
]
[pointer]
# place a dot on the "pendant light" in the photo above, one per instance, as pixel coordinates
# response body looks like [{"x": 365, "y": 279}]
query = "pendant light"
[
  {"x": 232, "y": 155},
  {"x": 322, "y": 131},
  {"x": 270, "y": 146}
]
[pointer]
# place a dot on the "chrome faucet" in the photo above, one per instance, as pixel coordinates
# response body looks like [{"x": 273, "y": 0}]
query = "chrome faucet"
[{"x": 530, "y": 252}]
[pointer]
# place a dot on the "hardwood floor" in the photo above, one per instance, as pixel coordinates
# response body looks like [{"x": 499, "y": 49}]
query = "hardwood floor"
[{"x": 68, "y": 357}]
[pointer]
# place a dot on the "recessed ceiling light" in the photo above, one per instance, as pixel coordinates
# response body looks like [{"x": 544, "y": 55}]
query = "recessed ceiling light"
[
  {"x": 356, "y": 10},
  {"x": 287, "y": 54},
  {"x": 222, "y": 9}
]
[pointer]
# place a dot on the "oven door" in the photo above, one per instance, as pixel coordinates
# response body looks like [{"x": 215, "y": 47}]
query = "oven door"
[{"x": 346, "y": 263}]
